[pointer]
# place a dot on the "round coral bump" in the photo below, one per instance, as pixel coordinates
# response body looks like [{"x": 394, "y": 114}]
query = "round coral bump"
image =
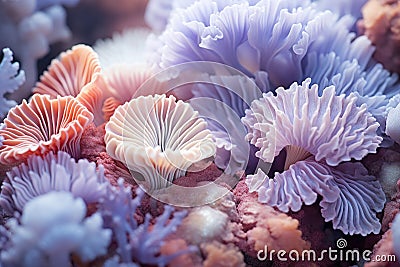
[
  {"x": 330, "y": 127},
  {"x": 43, "y": 125},
  {"x": 159, "y": 138}
]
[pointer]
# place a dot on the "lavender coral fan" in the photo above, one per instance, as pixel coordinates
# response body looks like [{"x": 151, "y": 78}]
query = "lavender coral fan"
[
  {"x": 158, "y": 137},
  {"x": 137, "y": 243},
  {"x": 296, "y": 36},
  {"x": 52, "y": 228},
  {"x": 318, "y": 135},
  {"x": 276, "y": 43},
  {"x": 53, "y": 172},
  {"x": 10, "y": 80}
]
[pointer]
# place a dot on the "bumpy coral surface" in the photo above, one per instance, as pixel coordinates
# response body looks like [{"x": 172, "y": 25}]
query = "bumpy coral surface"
[{"x": 380, "y": 23}]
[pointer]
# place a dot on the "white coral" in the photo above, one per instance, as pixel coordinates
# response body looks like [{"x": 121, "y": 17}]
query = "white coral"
[
  {"x": 52, "y": 227},
  {"x": 158, "y": 137},
  {"x": 10, "y": 80}
]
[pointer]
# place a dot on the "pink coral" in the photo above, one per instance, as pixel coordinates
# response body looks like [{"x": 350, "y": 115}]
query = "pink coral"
[
  {"x": 77, "y": 72},
  {"x": 93, "y": 148},
  {"x": 265, "y": 226},
  {"x": 43, "y": 125},
  {"x": 219, "y": 255}
]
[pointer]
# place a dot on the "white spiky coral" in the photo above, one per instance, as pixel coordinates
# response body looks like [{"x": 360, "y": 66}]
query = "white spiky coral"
[{"x": 158, "y": 137}]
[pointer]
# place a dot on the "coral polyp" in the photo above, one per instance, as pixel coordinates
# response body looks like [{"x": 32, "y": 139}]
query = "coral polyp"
[{"x": 158, "y": 137}]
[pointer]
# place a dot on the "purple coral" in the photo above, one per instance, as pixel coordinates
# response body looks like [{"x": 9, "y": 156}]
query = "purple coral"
[
  {"x": 10, "y": 80},
  {"x": 137, "y": 243},
  {"x": 52, "y": 228},
  {"x": 298, "y": 41},
  {"x": 53, "y": 172},
  {"x": 318, "y": 134}
]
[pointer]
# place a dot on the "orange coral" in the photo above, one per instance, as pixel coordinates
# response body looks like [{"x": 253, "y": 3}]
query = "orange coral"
[
  {"x": 43, "y": 125},
  {"x": 77, "y": 72},
  {"x": 381, "y": 25},
  {"x": 270, "y": 227},
  {"x": 218, "y": 254}
]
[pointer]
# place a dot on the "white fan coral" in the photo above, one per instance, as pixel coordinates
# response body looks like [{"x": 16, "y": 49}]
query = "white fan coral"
[
  {"x": 158, "y": 137},
  {"x": 52, "y": 228}
]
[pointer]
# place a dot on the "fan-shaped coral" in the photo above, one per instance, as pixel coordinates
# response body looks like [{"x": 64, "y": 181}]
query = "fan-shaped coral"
[
  {"x": 43, "y": 125},
  {"x": 53, "y": 172},
  {"x": 10, "y": 80},
  {"x": 52, "y": 228},
  {"x": 76, "y": 73},
  {"x": 317, "y": 134},
  {"x": 158, "y": 137},
  {"x": 276, "y": 43}
]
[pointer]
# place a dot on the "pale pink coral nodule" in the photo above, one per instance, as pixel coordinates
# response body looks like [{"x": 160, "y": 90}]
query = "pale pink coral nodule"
[
  {"x": 158, "y": 137},
  {"x": 42, "y": 125},
  {"x": 319, "y": 135}
]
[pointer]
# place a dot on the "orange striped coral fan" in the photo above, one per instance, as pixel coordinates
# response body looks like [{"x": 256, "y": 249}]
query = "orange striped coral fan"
[
  {"x": 77, "y": 72},
  {"x": 43, "y": 125}
]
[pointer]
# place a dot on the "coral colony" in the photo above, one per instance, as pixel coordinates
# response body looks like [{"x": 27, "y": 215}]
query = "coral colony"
[{"x": 211, "y": 133}]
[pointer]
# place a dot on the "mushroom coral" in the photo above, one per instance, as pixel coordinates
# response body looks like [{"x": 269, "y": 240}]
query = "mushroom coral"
[
  {"x": 124, "y": 60},
  {"x": 52, "y": 228},
  {"x": 316, "y": 136},
  {"x": 297, "y": 41},
  {"x": 158, "y": 137},
  {"x": 43, "y": 125},
  {"x": 77, "y": 72},
  {"x": 53, "y": 172}
]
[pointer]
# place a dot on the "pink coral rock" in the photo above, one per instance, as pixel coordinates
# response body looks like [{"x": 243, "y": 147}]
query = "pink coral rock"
[
  {"x": 220, "y": 255},
  {"x": 381, "y": 25},
  {"x": 266, "y": 226}
]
